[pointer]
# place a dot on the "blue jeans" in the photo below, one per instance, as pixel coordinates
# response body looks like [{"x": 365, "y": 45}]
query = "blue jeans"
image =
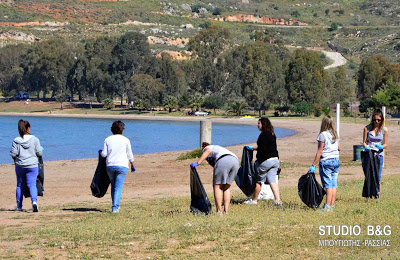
[
  {"x": 380, "y": 166},
  {"x": 28, "y": 176},
  {"x": 329, "y": 170},
  {"x": 117, "y": 176}
]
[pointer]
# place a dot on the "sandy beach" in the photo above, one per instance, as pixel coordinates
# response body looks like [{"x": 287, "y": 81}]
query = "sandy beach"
[{"x": 160, "y": 175}]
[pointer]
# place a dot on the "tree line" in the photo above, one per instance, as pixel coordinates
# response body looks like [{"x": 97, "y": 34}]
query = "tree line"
[{"x": 261, "y": 74}]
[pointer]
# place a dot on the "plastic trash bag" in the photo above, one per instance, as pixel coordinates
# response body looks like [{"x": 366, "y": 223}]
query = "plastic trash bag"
[
  {"x": 370, "y": 164},
  {"x": 310, "y": 191},
  {"x": 266, "y": 192},
  {"x": 245, "y": 178},
  {"x": 100, "y": 181},
  {"x": 199, "y": 202},
  {"x": 39, "y": 180}
]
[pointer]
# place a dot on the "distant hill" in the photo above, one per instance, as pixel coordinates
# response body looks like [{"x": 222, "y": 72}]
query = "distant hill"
[{"x": 356, "y": 28}]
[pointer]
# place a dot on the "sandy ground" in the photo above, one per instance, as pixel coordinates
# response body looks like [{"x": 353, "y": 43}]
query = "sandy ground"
[{"x": 160, "y": 175}]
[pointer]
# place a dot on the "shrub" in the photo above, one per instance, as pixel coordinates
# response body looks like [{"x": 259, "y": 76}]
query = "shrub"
[
  {"x": 317, "y": 110},
  {"x": 365, "y": 104},
  {"x": 217, "y": 11},
  {"x": 326, "y": 110},
  {"x": 302, "y": 108},
  {"x": 108, "y": 103},
  {"x": 196, "y": 153},
  {"x": 334, "y": 27}
]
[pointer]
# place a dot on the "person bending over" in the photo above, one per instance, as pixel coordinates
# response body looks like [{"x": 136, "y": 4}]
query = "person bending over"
[{"x": 226, "y": 166}]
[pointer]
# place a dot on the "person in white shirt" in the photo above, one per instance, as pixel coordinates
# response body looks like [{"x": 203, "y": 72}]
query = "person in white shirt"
[
  {"x": 328, "y": 157},
  {"x": 117, "y": 149},
  {"x": 226, "y": 166}
]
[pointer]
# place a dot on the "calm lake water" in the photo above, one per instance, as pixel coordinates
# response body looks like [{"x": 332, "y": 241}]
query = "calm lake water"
[{"x": 78, "y": 138}]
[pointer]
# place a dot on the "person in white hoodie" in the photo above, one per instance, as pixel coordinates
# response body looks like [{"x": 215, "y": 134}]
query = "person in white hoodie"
[
  {"x": 25, "y": 151},
  {"x": 117, "y": 149}
]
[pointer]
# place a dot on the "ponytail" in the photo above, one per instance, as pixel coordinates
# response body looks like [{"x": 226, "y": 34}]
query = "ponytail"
[{"x": 23, "y": 127}]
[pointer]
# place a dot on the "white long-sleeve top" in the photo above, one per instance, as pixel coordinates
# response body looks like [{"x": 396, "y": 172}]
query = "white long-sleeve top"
[{"x": 117, "y": 149}]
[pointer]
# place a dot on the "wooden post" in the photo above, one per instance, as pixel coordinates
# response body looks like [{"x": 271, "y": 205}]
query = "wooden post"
[{"x": 205, "y": 131}]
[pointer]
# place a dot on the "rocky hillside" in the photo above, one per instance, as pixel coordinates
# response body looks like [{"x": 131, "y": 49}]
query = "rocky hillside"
[{"x": 354, "y": 27}]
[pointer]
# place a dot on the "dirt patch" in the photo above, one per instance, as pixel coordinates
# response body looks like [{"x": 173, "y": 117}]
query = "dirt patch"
[{"x": 160, "y": 175}]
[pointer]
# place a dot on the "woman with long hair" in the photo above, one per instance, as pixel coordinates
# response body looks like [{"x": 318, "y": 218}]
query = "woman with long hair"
[
  {"x": 25, "y": 151},
  {"x": 375, "y": 136},
  {"x": 328, "y": 158},
  {"x": 267, "y": 163}
]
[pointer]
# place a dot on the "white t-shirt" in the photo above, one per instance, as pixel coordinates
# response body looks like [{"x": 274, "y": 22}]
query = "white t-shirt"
[
  {"x": 331, "y": 148},
  {"x": 117, "y": 149},
  {"x": 217, "y": 151}
]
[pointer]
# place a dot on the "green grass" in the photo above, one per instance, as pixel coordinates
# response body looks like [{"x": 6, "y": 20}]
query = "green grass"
[
  {"x": 164, "y": 229},
  {"x": 196, "y": 153}
]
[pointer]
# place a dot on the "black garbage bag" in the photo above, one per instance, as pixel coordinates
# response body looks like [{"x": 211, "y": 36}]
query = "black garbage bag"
[
  {"x": 245, "y": 178},
  {"x": 100, "y": 181},
  {"x": 310, "y": 191},
  {"x": 39, "y": 180},
  {"x": 199, "y": 202},
  {"x": 370, "y": 164}
]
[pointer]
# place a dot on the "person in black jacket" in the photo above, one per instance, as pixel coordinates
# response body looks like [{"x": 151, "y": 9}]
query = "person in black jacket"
[{"x": 267, "y": 163}]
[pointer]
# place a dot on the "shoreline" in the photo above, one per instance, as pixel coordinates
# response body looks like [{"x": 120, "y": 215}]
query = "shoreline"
[
  {"x": 235, "y": 121},
  {"x": 160, "y": 175}
]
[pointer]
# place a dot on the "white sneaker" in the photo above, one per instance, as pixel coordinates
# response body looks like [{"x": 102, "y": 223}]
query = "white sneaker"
[
  {"x": 250, "y": 202},
  {"x": 115, "y": 211},
  {"x": 18, "y": 209},
  {"x": 35, "y": 207}
]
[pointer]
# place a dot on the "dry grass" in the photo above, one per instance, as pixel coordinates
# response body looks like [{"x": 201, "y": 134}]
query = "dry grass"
[{"x": 164, "y": 229}]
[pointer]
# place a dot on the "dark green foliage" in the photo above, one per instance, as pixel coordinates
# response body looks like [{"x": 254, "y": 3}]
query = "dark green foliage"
[
  {"x": 373, "y": 73},
  {"x": 317, "y": 108},
  {"x": 306, "y": 78},
  {"x": 217, "y": 11},
  {"x": 206, "y": 47},
  {"x": 10, "y": 71},
  {"x": 345, "y": 106},
  {"x": 170, "y": 103},
  {"x": 389, "y": 95},
  {"x": 326, "y": 110},
  {"x": 214, "y": 102},
  {"x": 131, "y": 55},
  {"x": 108, "y": 103},
  {"x": 205, "y": 25},
  {"x": 301, "y": 108},
  {"x": 365, "y": 104},
  {"x": 295, "y": 13},
  {"x": 334, "y": 27},
  {"x": 172, "y": 76},
  {"x": 145, "y": 90}
]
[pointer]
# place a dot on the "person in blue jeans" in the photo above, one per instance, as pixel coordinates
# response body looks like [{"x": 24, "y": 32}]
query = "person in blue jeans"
[
  {"x": 117, "y": 149},
  {"x": 328, "y": 157},
  {"x": 375, "y": 136},
  {"x": 25, "y": 151}
]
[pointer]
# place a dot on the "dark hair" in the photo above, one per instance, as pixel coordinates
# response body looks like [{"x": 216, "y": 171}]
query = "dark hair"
[
  {"x": 23, "y": 127},
  {"x": 204, "y": 144},
  {"x": 117, "y": 127},
  {"x": 266, "y": 125},
  {"x": 377, "y": 112}
]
